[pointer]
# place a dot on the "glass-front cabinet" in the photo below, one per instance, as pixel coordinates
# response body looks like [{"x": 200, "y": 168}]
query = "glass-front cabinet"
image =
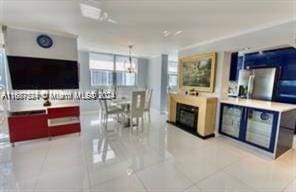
[
  {"x": 231, "y": 120},
  {"x": 253, "y": 126},
  {"x": 260, "y": 128}
]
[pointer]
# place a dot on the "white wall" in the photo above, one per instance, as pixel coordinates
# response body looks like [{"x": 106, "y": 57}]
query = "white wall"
[
  {"x": 282, "y": 34},
  {"x": 267, "y": 37},
  {"x": 157, "y": 80},
  {"x": 164, "y": 82},
  {"x": 23, "y": 43},
  {"x": 19, "y": 42},
  {"x": 142, "y": 72},
  {"x": 1, "y": 37},
  {"x": 84, "y": 82},
  {"x": 272, "y": 36},
  {"x": 222, "y": 71},
  {"x": 154, "y": 80}
]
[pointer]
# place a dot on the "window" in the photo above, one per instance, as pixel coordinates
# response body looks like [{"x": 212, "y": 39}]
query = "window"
[
  {"x": 108, "y": 70},
  {"x": 101, "y": 68},
  {"x": 173, "y": 74},
  {"x": 123, "y": 78}
]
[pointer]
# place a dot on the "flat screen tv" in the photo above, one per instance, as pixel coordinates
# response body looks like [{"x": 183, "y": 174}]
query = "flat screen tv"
[{"x": 35, "y": 73}]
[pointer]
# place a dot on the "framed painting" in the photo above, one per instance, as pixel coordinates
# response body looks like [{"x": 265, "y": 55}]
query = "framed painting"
[{"x": 198, "y": 72}]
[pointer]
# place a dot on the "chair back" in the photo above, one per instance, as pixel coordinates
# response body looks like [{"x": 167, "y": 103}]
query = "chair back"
[
  {"x": 138, "y": 104},
  {"x": 148, "y": 98}
]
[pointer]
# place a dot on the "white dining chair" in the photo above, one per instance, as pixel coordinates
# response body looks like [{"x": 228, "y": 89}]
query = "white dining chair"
[
  {"x": 108, "y": 110},
  {"x": 137, "y": 107},
  {"x": 148, "y": 96}
]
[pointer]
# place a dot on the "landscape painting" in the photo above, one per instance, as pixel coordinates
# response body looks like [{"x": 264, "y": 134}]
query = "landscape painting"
[{"x": 198, "y": 72}]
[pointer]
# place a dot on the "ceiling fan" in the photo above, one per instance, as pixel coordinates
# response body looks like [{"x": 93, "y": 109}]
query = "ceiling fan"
[{"x": 92, "y": 9}]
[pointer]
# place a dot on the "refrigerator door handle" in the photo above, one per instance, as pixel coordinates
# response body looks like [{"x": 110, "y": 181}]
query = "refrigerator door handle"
[{"x": 250, "y": 86}]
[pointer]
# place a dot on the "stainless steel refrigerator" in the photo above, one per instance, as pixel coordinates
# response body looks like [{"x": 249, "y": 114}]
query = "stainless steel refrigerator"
[{"x": 258, "y": 83}]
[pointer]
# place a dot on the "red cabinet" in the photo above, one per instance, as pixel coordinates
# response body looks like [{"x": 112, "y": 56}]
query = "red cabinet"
[
  {"x": 63, "y": 120},
  {"x": 62, "y": 112},
  {"x": 64, "y": 129},
  {"x": 26, "y": 127},
  {"x": 50, "y": 122}
]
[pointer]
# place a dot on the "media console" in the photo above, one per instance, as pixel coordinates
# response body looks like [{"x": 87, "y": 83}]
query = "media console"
[{"x": 41, "y": 122}]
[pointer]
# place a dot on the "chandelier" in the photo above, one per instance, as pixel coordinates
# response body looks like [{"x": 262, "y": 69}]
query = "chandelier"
[{"x": 130, "y": 69}]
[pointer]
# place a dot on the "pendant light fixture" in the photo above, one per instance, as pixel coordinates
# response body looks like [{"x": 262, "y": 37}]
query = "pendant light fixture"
[{"x": 130, "y": 69}]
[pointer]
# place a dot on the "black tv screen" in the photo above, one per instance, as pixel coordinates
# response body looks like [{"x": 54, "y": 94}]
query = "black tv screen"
[{"x": 35, "y": 73}]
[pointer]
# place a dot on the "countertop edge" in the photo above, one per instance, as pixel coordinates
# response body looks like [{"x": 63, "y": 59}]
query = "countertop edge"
[{"x": 265, "y": 105}]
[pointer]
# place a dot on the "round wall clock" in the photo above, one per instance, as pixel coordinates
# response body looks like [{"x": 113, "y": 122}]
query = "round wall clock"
[{"x": 44, "y": 41}]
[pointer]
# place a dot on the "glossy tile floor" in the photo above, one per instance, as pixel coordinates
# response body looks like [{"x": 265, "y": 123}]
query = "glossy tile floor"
[{"x": 160, "y": 158}]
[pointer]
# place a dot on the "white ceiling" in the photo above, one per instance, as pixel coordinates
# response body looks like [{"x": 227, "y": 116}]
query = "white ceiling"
[{"x": 142, "y": 22}]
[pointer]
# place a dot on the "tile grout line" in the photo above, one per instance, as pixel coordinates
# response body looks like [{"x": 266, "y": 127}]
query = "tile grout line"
[
  {"x": 136, "y": 171},
  {"x": 255, "y": 190},
  {"x": 43, "y": 164},
  {"x": 193, "y": 185},
  {"x": 286, "y": 186},
  {"x": 146, "y": 189},
  {"x": 215, "y": 172},
  {"x": 85, "y": 161}
]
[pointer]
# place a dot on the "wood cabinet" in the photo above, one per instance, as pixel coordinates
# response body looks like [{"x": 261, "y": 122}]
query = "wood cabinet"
[{"x": 206, "y": 116}]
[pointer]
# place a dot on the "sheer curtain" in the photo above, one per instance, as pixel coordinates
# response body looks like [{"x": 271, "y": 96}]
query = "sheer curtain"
[
  {"x": 123, "y": 78},
  {"x": 101, "y": 68},
  {"x": 173, "y": 74},
  {"x": 108, "y": 70}
]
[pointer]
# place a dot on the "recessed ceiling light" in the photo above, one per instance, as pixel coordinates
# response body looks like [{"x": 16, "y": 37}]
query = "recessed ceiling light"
[
  {"x": 104, "y": 16},
  {"x": 166, "y": 33},
  {"x": 90, "y": 11},
  {"x": 178, "y": 33},
  {"x": 112, "y": 21}
]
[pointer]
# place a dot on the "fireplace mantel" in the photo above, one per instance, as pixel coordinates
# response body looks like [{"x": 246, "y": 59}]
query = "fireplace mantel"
[{"x": 206, "y": 116}]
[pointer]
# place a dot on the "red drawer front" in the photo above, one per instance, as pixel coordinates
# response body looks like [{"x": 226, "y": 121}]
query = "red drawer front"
[
  {"x": 64, "y": 129},
  {"x": 23, "y": 128},
  {"x": 63, "y": 112}
]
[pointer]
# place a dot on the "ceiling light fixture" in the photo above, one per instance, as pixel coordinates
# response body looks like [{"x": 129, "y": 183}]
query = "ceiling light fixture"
[
  {"x": 96, "y": 13},
  {"x": 90, "y": 11},
  {"x": 112, "y": 21},
  {"x": 166, "y": 33},
  {"x": 178, "y": 33},
  {"x": 104, "y": 16},
  {"x": 130, "y": 69}
]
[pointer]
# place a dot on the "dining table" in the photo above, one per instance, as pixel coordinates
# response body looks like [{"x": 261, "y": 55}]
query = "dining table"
[{"x": 125, "y": 103}]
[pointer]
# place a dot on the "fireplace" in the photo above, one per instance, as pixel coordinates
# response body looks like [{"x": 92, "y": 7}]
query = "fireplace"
[{"x": 187, "y": 117}]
